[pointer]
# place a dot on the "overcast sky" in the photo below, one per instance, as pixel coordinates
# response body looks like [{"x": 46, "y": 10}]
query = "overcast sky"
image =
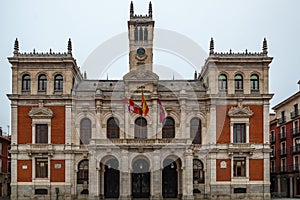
[{"x": 234, "y": 24}]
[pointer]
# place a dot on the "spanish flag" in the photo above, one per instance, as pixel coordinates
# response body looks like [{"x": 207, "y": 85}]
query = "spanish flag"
[{"x": 145, "y": 107}]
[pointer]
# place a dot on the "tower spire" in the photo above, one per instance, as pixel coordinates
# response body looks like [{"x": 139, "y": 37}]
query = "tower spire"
[
  {"x": 131, "y": 9},
  {"x": 70, "y": 47},
  {"x": 16, "y": 47},
  {"x": 211, "y": 46},
  {"x": 265, "y": 47},
  {"x": 150, "y": 9}
]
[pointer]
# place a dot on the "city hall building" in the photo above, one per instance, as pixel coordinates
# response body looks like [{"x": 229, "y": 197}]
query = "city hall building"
[{"x": 74, "y": 138}]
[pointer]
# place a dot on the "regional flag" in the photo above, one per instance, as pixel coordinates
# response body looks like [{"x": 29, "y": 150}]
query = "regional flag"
[
  {"x": 162, "y": 111},
  {"x": 145, "y": 107},
  {"x": 133, "y": 107}
]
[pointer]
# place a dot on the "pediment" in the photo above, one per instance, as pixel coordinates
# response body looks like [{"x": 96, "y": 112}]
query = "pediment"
[
  {"x": 40, "y": 112},
  {"x": 137, "y": 75},
  {"x": 240, "y": 112}
]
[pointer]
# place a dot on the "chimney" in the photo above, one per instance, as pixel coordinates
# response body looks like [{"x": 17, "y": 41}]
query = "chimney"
[
  {"x": 299, "y": 84},
  {"x": 0, "y": 131}
]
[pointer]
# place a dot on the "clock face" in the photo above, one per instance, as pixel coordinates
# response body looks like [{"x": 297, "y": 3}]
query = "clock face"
[{"x": 141, "y": 51}]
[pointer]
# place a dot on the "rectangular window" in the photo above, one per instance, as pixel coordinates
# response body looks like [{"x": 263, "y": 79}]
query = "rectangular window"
[
  {"x": 283, "y": 149},
  {"x": 272, "y": 136},
  {"x": 0, "y": 148},
  {"x": 296, "y": 127},
  {"x": 283, "y": 165},
  {"x": 239, "y": 167},
  {"x": 273, "y": 151},
  {"x": 296, "y": 163},
  {"x": 239, "y": 133},
  {"x": 272, "y": 166},
  {"x": 41, "y": 136},
  {"x": 41, "y": 167},
  {"x": 0, "y": 166}
]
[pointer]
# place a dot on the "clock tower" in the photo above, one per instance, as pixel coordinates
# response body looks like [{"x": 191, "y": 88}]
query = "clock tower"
[{"x": 140, "y": 33}]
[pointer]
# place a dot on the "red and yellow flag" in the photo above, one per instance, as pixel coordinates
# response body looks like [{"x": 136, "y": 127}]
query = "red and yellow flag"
[{"x": 145, "y": 107}]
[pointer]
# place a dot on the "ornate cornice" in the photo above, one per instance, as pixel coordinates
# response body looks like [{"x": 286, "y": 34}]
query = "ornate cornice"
[
  {"x": 240, "y": 112},
  {"x": 41, "y": 112}
]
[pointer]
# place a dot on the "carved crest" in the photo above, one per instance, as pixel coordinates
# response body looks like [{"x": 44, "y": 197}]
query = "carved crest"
[
  {"x": 240, "y": 112},
  {"x": 40, "y": 112}
]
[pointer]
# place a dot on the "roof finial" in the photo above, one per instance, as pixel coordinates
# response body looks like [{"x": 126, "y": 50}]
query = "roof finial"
[
  {"x": 265, "y": 47},
  {"x": 212, "y": 46},
  {"x": 70, "y": 47},
  {"x": 16, "y": 47},
  {"x": 150, "y": 9},
  {"x": 195, "y": 75},
  {"x": 84, "y": 75},
  {"x": 131, "y": 9}
]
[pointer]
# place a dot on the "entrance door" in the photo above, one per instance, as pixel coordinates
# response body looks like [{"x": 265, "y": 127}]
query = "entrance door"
[
  {"x": 111, "y": 179},
  {"x": 169, "y": 179},
  {"x": 140, "y": 179}
]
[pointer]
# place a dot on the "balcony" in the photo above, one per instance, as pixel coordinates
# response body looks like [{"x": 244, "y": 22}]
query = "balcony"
[
  {"x": 282, "y": 120},
  {"x": 282, "y": 136},
  {"x": 294, "y": 114},
  {"x": 295, "y": 149},
  {"x": 272, "y": 155},
  {"x": 295, "y": 168},
  {"x": 283, "y": 168},
  {"x": 272, "y": 169},
  {"x": 282, "y": 152},
  {"x": 272, "y": 139},
  {"x": 295, "y": 131}
]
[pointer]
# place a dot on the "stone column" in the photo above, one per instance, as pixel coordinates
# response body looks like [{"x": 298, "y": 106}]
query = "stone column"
[
  {"x": 188, "y": 178},
  {"x": 278, "y": 185},
  {"x": 125, "y": 183},
  {"x": 291, "y": 187},
  {"x": 92, "y": 177},
  {"x": 156, "y": 172},
  {"x": 68, "y": 125}
]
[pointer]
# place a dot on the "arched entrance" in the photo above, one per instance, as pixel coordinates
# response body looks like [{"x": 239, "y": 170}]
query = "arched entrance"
[
  {"x": 169, "y": 179},
  {"x": 140, "y": 179},
  {"x": 111, "y": 179}
]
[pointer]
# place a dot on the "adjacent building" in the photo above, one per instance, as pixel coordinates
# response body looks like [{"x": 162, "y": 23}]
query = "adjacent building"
[
  {"x": 285, "y": 145},
  {"x": 4, "y": 164},
  {"x": 75, "y": 138}
]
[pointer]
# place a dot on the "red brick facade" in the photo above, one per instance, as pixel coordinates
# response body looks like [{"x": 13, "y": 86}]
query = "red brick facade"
[
  {"x": 57, "y": 171},
  {"x": 24, "y": 171}
]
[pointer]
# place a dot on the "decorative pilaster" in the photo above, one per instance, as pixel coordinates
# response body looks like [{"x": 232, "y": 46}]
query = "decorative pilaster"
[
  {"x": 92, "y": 176},
  {"x": 188, "y": 178},
  {"x": 125, "y": 179},
  {"x": 156, "y": 178}
]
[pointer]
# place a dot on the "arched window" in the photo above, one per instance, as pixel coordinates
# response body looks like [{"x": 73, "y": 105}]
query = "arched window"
[
  {"x": 83, "y": 172},
  {"x": 145, "y": 33},
  {"x": 254, "y": 83},
  {"x": 141, "y": 34},
  {"x": 42, "y": 83},
  {"x": 222, "y": 82},
  {"x": 140, "y": 129},
  {"x": 58, "y": 83},
  {"x": 195, "y": 130},
  {"x": 85, "y": 131},
  {"x": 136, "y": 34},
  {"x": 26, "y": 83},
  {"x": 238, "y": 82},
  {"x": 113, "y": 130},
  {"x": 168, "y": 130},
  {"x": 198, "y": 172}
]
